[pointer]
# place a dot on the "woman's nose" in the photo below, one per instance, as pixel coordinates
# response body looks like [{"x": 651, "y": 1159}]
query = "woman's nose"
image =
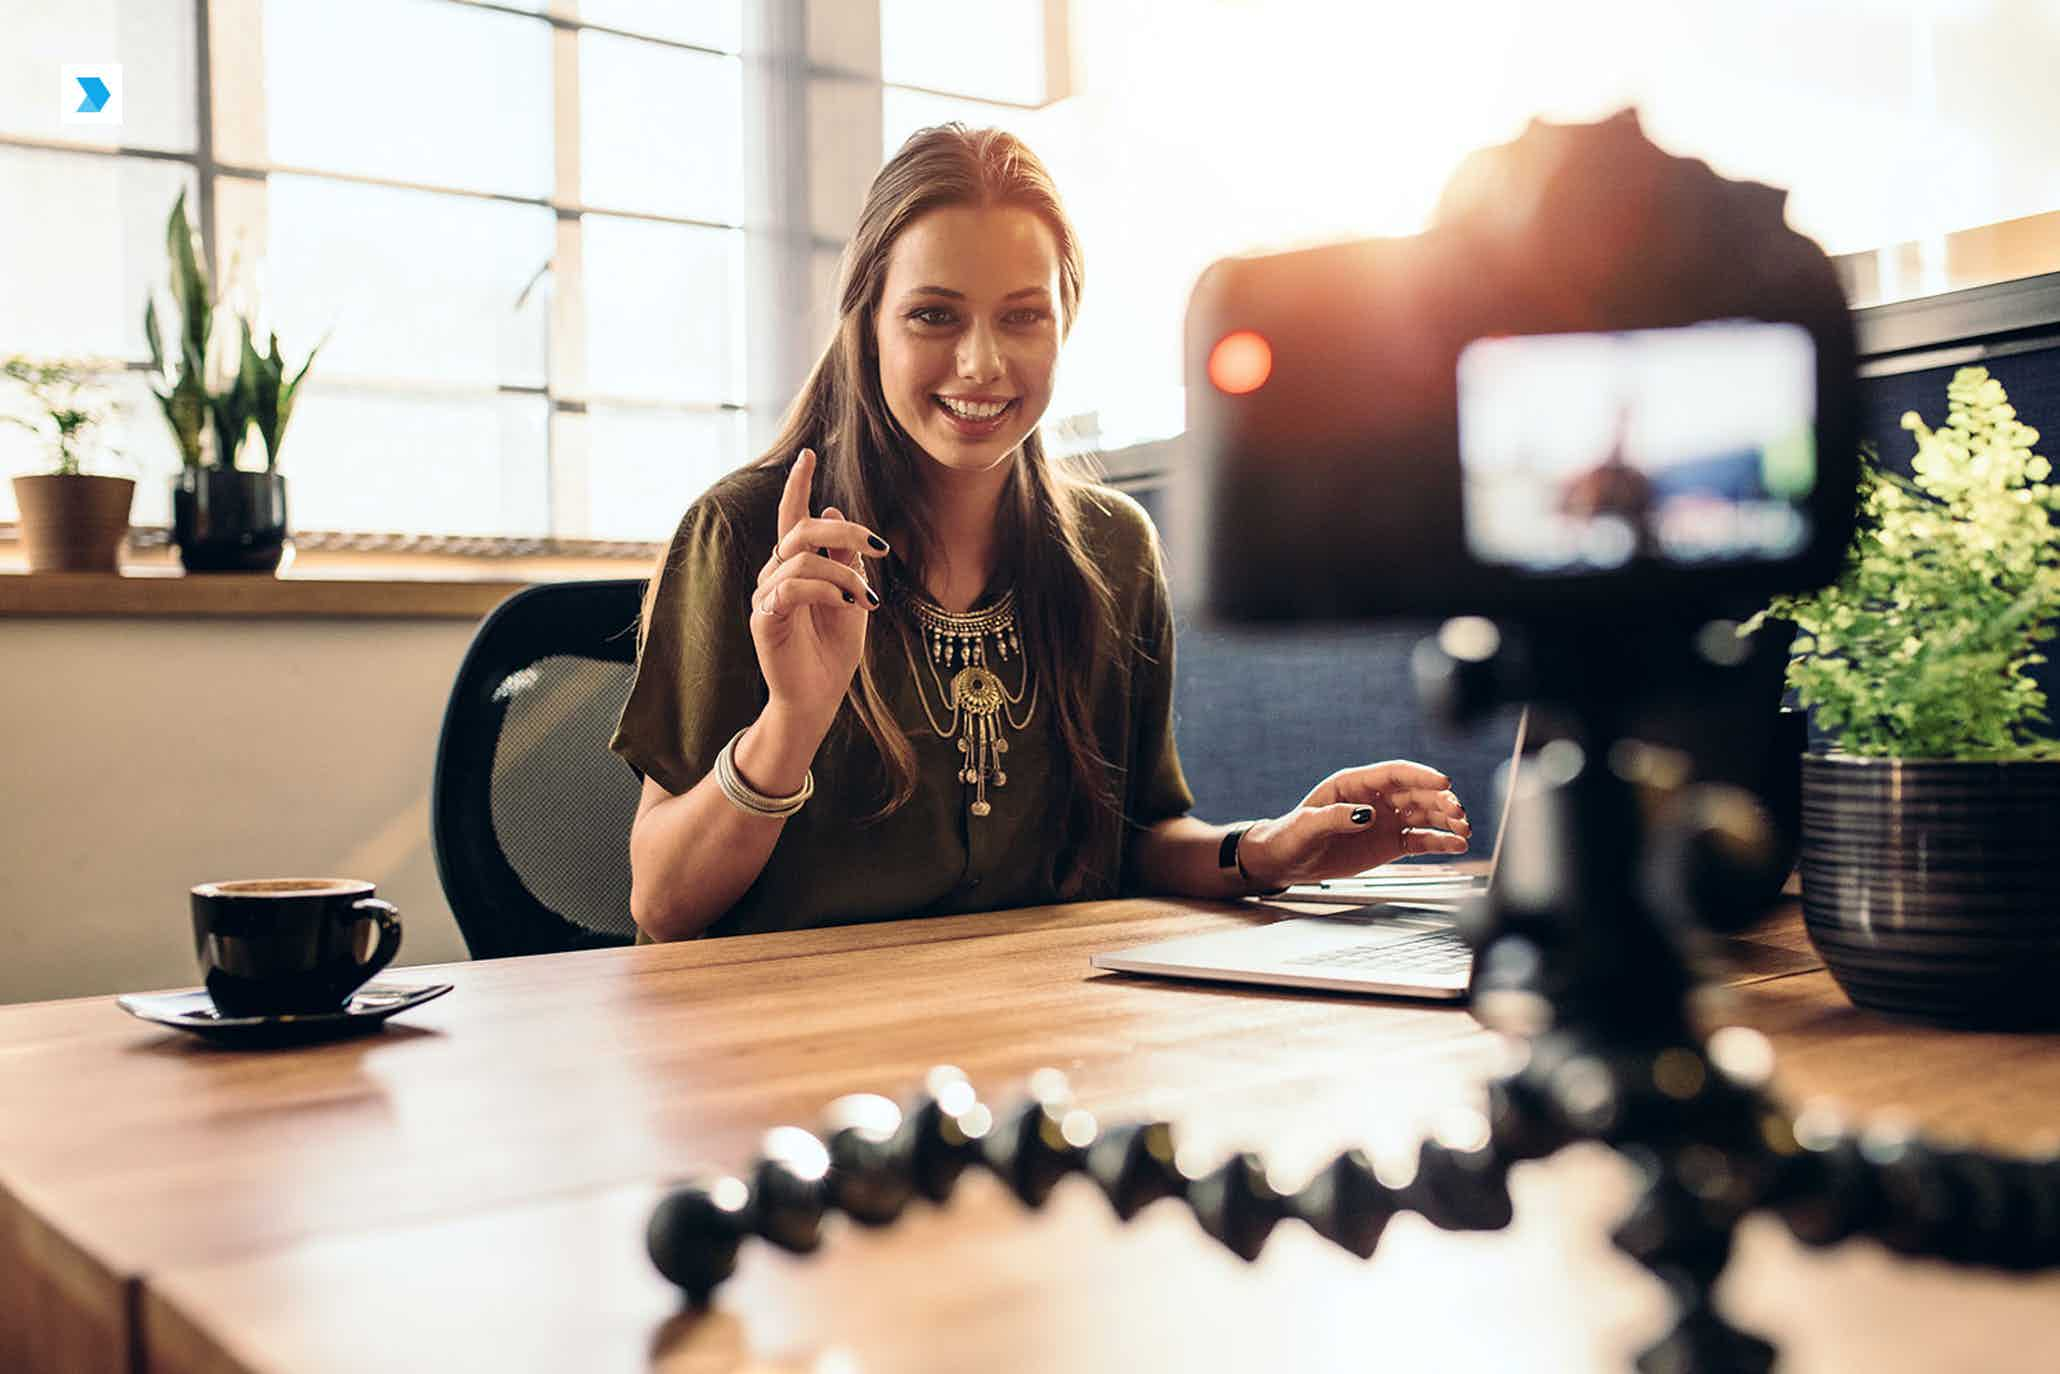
[{"x": 979, "y": 355}]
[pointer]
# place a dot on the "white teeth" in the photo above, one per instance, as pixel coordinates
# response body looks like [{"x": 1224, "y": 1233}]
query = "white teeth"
[{"x": 974, "y": 410}]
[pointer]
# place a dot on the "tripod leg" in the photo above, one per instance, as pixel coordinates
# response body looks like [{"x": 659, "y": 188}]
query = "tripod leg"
[{"x": 1685, "y": 1240}]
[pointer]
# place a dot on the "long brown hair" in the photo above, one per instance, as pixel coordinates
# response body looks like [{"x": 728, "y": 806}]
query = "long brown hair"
[{"x": 869, "y": 468}]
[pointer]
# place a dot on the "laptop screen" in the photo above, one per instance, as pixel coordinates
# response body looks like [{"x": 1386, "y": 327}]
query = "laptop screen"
[{"x": 1516, "y": 758}]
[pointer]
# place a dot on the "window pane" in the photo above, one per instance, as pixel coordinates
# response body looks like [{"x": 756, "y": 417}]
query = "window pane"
[
  {"x": 645, "y": 467},
  {"x": 413, "y": 90},
  {"x": 138, "y": 444},
  {"x": 664, "y": 310},
  {"x": 97, "y": 242},
  {"x": 708, "y": 23},
  {"x": 994, "y": 50},
  {"x": 660, "y": 129},
  {"x": 362, "y": 460},
  {"x": 903, "y": 112},
  {"x": 152, "y": 40},
  {"x": 416, "y": 286}
]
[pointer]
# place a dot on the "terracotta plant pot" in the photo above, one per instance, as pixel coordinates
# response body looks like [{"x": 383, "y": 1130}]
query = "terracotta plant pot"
[
  {"x": 229, "y": 520},
  {"x": 74, "y": 523},
  {"x": 1931, "y": 887}
]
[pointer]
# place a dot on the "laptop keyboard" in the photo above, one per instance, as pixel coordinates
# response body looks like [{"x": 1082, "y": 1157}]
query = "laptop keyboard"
[{"x": 1436, "y": 952}]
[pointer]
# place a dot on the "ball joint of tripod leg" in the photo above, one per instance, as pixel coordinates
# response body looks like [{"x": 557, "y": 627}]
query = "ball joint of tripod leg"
[
  {"x": 790, "y": 1189},
  {"x": 1712, "y": 859},
  {"x": 1521, "y": 1122},
  {"x": 1237, "y": 1204},
  {"x": 869, "y": 1178},
  {"x": 1346, "y": 1204},
  {"x": 940, "y": 1133},
  {"x": 1640, "y": 1093},
  {"x": 1460, "y": 1187},
  {"x": 694, "y": 1231},
  {"x": 1465, "y": 670},
  {"x": 1702, "y": 1339},
  {"x": 1134, "y": 1166},
  {"x": 1683, "y": 1238},
  {"x": 1825, "y": 1188},
  {"x": 1041, "y": 1141}
]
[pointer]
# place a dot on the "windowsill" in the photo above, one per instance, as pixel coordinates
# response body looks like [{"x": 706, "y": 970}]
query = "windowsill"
[{"x": 316, "y": 585}]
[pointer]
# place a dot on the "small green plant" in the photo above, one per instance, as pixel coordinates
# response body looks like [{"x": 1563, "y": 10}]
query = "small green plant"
[
  {"x": 269, "y": 393},
  {"x": 259, "y": 393},
  {"x": 1921, "y": 648},
  {"x": 179, "y": 380},
  {"x": 74, "y": 407}
]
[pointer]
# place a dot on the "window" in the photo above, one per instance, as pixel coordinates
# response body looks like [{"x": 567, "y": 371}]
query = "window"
[
  {"x": 1193, "y": 129},
  {"x": 983, "y": 65},
  {"x": 518, "y": 234},
  {"x": 522, "y": 225}
]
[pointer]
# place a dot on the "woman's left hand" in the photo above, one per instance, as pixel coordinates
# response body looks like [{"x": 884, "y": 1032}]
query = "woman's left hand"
[{"x": 1356, "y": 819}]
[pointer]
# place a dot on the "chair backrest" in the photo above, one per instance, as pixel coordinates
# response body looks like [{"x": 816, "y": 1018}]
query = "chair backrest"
[
  {"x": 1264, "y": 713},
  {"x": 529, "y": 811}
]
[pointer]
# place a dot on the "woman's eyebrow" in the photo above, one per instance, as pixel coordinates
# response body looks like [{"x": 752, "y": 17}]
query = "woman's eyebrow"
[{"x": 950, "y": 294}]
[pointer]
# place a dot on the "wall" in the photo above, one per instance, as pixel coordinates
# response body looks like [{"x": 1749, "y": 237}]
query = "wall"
[{"x": 141, "y": 756}]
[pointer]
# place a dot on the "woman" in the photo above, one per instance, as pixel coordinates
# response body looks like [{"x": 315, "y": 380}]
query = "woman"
[{"x": 905, "y": 666}]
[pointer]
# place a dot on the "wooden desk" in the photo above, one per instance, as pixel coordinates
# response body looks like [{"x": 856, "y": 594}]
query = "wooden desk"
[{"x": 468, "y": 1188}]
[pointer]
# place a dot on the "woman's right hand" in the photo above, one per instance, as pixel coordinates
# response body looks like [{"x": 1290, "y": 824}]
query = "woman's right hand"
[{"x": 808, "y": 612}]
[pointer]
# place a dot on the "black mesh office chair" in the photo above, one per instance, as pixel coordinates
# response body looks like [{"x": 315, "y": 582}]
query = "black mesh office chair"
[{"x": 529, "y": 812}]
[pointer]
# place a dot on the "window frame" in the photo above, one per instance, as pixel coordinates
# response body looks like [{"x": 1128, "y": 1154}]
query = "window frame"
[{"x": 564, "y": 389}]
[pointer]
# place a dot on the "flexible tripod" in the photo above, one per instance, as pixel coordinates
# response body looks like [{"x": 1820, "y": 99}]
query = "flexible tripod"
[{"x": 1584, "y": 952}]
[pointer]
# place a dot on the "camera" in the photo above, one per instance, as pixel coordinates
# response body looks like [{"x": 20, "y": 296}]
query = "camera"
[{"x": 1607, "y": 386}]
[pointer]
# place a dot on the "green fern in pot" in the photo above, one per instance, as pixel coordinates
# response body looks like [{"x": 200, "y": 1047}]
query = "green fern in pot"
[{"x": 71, "y": 520}]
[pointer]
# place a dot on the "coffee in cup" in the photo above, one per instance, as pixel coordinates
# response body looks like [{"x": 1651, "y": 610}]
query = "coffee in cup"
[{"x": 290, "y": 946}]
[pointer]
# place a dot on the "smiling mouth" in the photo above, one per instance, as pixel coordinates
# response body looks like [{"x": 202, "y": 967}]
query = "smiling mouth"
[{"x": 977, "y": 417}]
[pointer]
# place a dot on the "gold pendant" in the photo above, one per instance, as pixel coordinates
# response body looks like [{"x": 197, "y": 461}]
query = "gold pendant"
[
  {"x": 977, "y": 694},
  {"x": 976, "y": 699}
]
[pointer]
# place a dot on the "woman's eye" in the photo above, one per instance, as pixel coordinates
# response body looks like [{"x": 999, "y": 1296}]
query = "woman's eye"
[
  {"x": 935, "y": 315},
  {"x": 1028, "y": 315}
]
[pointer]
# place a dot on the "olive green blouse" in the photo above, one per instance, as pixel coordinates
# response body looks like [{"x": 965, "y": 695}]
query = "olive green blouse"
[{"x": 698, "y": 683}]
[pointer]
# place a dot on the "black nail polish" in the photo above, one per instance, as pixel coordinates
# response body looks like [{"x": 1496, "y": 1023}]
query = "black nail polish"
[
  {"x": 1361, "y": 815},
  {"x": 877, "y": 542},
  {"x": 872, "y": 596},
  {"x": 850, "y": 600}
]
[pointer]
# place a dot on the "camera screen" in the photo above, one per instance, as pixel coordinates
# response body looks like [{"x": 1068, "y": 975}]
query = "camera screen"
[{"x": 1581, "y": 453}]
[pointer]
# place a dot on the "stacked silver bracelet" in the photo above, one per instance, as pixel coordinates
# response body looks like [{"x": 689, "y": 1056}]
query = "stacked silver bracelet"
[{"x": 747, "y": 798}]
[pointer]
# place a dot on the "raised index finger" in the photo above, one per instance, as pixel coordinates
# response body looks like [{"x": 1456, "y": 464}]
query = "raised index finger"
[{"x": 794, "y": 496}]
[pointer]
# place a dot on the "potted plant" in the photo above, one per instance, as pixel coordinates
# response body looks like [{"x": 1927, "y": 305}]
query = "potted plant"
[
  {"x": 225, "y": 517},
  {"x": 71, "y": 521},
  {"x": 1931, "y": 835}
]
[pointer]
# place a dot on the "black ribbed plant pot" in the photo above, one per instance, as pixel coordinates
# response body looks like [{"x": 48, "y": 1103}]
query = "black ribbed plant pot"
[
  {"x": 1931, "y": 887},
  {"x": 229, "y": 520}
]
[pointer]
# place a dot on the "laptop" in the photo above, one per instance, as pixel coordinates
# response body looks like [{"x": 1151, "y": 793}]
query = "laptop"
[{"x": 1399, "y": 940}]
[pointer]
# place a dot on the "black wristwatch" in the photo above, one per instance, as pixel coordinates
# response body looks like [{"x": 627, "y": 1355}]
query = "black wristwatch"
[{"x": 1227, "y": 856}]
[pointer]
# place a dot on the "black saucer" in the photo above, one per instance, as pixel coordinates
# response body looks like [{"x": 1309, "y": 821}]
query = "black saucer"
[{"x": 192, "y": 1010}]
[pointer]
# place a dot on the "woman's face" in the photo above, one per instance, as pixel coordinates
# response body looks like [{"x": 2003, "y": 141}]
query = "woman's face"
[{"x": 968, "y": 331}]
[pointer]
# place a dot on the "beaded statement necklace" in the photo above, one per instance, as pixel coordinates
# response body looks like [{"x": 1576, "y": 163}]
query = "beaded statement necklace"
[{"x": 976, "y": 699}]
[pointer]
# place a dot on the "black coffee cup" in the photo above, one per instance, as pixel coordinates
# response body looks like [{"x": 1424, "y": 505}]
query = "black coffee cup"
[{"x": 290, "y": 946}]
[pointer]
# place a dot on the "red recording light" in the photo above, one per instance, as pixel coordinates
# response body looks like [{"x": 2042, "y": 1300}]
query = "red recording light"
[{"x": 1240, "y": 362}]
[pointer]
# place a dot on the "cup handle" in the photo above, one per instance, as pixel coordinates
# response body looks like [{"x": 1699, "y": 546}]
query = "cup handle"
[{"x": 388, "y": 917}]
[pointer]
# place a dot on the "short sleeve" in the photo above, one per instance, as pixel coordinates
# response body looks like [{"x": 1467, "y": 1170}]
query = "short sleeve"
[
  {"x": 697, "y": 679},
  {"x": 1158, "y": 788}
]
